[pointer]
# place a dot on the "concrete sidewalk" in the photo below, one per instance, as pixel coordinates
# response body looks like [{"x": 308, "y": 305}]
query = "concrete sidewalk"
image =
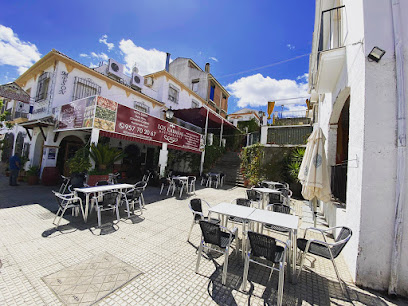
[{"x": 155, "y": 243}]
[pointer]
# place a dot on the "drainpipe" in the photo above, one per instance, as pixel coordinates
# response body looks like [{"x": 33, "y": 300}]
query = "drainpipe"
[
  {"x": 401, "y": 146},
  {"x": 205, "y": 142},
  {"x": 167, "y": 61}
]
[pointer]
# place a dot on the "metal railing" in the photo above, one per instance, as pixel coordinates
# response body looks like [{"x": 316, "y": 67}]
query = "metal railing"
[
  {"x": 289, "y": 135},
  {"x": 339, "y": 181}
]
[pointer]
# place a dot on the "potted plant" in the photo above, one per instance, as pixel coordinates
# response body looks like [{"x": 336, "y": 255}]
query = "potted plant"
[
  {"x": 80, "y": 162},
  {"x": 104, "y": 158},
  {"x": 22, "y": 173},
  {"x": 33, "y": 173}
]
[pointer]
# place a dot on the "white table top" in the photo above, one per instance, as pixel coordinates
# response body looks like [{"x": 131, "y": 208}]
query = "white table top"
[
  {"x": 232, "y": 210},
  {"x": 266, "y": 190},
  {"x": 275, "y": 218},
  {"x": 103, "y": 188}
]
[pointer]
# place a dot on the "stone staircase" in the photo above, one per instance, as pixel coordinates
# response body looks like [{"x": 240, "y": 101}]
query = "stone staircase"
[{"x": 229, "y": 164}]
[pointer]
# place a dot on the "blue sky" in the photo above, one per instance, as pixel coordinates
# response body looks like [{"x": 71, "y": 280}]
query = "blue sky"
[{"x": 234, "y": 36}]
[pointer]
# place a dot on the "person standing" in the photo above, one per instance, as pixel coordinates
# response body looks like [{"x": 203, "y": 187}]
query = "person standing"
[{"x": 15, "y": 164}]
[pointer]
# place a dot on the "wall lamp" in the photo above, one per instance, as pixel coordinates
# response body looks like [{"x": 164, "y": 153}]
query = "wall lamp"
[
  {"x": 169, "y": 113},
  {"x": 376, "y": 54}
]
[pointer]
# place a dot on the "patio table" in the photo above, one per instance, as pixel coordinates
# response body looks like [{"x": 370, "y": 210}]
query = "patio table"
[
  {"x": 88, "y": 190},
  {"x": 273, "y": 184},
  {"x": 265, "y": 192}
]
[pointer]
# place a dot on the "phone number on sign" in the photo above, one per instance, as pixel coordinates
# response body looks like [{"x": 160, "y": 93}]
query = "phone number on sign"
[{"x": 139, "y": 130}]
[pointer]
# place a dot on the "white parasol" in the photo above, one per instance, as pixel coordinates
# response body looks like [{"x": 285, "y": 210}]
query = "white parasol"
[{"x": 313, "y": 174}]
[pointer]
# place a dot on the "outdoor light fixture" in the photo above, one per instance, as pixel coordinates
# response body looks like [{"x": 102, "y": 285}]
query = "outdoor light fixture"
[
  {"x": 376, "y": 54},
  {"x": 169, "y": 113}
]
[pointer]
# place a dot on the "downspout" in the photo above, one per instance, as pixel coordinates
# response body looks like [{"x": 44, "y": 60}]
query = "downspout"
[
  {"x": 401, "y": 146},
  {"x": 205, "y": 143}
]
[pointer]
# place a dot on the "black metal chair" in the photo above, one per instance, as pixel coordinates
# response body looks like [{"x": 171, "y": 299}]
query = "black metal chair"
[
  {"x": 66, "y": 201},
  {"x": 130, "y": 198},
  {"x": 323, "y": 248},
  {"x": 280, "y": 208},
  {"x": 265, "y": 247},
  {"x": 204, "y": 179},
  {"x": 196, "y": 207},
  {"x": 164, "y": 182},
  {"x": 214, "y": 234},
  {"x": 241, "y": 202},
  {"x": 102, "y": 183},
  {"x": 254, "y": 196},
  {"x": 141, "y": 186},
  {"x": 109, "y": 201},
  {"x": 275, "y": 198}
]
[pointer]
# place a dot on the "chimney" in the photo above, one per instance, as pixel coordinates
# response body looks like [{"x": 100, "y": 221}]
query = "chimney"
[
  {"x": 207, "y": 67},
  {"x": 167, "y": 61}
]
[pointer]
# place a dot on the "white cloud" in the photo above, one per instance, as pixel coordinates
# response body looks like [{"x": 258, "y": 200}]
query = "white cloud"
[
  {"x": 213, "y": 58},
  {"x": 304, "y": 77},
  {"x": 147, "y": 61},
  {"x": 290, "y": 47},
  {"x": 256, "y": 90},
  {"x": 104, "y": 40},
  {"x": 92, "y": 65},
  {"x": 84, "y": 55},
  {"x": 15, "y": 52},
  {"x": 101, "y": 56}
]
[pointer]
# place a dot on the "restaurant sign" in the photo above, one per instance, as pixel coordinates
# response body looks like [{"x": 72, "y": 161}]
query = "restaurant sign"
[{"x": 107, "y": 115}]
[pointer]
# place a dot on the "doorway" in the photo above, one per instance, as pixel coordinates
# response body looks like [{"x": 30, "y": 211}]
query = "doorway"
[{"x": 67, "y": 149}]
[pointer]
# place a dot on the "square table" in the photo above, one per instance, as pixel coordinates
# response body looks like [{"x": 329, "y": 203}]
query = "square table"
[
  {"x": 273, "y": 184},
  {"x": 89, "y": 190},
  {"x": 265, "y": 192},
  {"x": 283, "y": 220}
]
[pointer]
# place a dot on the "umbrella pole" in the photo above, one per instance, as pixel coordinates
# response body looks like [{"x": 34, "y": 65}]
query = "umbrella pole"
[{"x": 314, "y": 203}]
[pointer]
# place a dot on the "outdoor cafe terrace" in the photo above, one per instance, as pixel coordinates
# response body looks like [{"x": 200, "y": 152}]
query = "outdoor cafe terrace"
[{"x": 144, "y": 259}]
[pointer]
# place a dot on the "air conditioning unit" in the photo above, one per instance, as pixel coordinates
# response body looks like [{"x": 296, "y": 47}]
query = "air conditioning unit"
[
  {"x": 149, "y": 81},
  {"x": 137, "y": 81},
  {"x": 115, "y": 69},
  {"x": 210, "y": 139}
]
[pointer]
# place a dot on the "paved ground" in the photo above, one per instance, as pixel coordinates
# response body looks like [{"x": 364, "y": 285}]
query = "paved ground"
[{"x": 155, "y": 243}]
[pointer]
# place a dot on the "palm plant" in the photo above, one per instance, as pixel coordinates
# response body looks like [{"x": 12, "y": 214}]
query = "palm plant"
[
  {"x": 105, "y": 156},
  {"x": 295, "y": 160}
]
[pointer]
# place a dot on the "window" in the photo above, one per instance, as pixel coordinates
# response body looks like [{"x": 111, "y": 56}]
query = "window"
[
  {"x": 194, "y": 85},
  {"x": 195, "y": 104},
  {"x": 212, "y": 90},
  {"x": 85, "y": 88},
  {"x": 141, "y": 106},
  {"x": 42, "y": 87},
  {"x": 173, "y": 94}
]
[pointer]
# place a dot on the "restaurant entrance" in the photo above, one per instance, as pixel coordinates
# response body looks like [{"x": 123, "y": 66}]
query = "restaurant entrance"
[{"x": 68, "y": 146}]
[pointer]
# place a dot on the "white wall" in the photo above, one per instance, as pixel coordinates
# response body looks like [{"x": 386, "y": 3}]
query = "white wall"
[{"x": 372, "y": 141}]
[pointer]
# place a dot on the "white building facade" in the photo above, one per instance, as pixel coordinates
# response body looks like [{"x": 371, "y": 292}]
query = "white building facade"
[{"x": 361, "y": 109}]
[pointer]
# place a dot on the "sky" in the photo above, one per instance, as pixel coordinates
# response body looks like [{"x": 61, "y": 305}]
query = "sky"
[{"x": 247, "y": 43}]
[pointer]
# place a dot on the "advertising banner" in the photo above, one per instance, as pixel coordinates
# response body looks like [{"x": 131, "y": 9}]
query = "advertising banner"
[
  {"x": 77, "y": 114},
  {"x": 134, "y": 123},
  {"x": 108, "y": 115}
]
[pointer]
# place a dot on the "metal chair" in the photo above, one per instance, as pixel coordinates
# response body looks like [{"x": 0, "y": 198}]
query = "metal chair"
[
  {"x": 204, "y": 179},
  {"x": 130, "y": 197},
  {"x": 196, "y": 207},
  {"x": 274, "y": 198},
  {"x": 64, "y": 185},
  {"x": 213, "y": 177},
  {"x": 287, "y": 195},
  {"x": 102, "y": 183},
  {"x": 66, "y": 201},
  {"x": 323, "y": 248},
  {"x": 214, "y": 234},
  {"x": 191, "y": 184},
  {"x": 222, "y": 179},
  {"x": 265, "y": 247},
  {"x": 254, "y": 196},
  {"x": 178, "y": 183},
  {"x": 280, "y": 208},
  {"x": 110, "y": 201},
  {"x": 141, "y": 186},
  {"x": 164, "y": 182}
]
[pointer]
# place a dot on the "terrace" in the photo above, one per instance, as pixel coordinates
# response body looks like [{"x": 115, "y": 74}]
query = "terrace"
[{"x": 154, "y": 244}]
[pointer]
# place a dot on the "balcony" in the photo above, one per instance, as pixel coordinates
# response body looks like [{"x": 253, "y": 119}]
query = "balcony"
[{"x": 331, "y": 50}]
